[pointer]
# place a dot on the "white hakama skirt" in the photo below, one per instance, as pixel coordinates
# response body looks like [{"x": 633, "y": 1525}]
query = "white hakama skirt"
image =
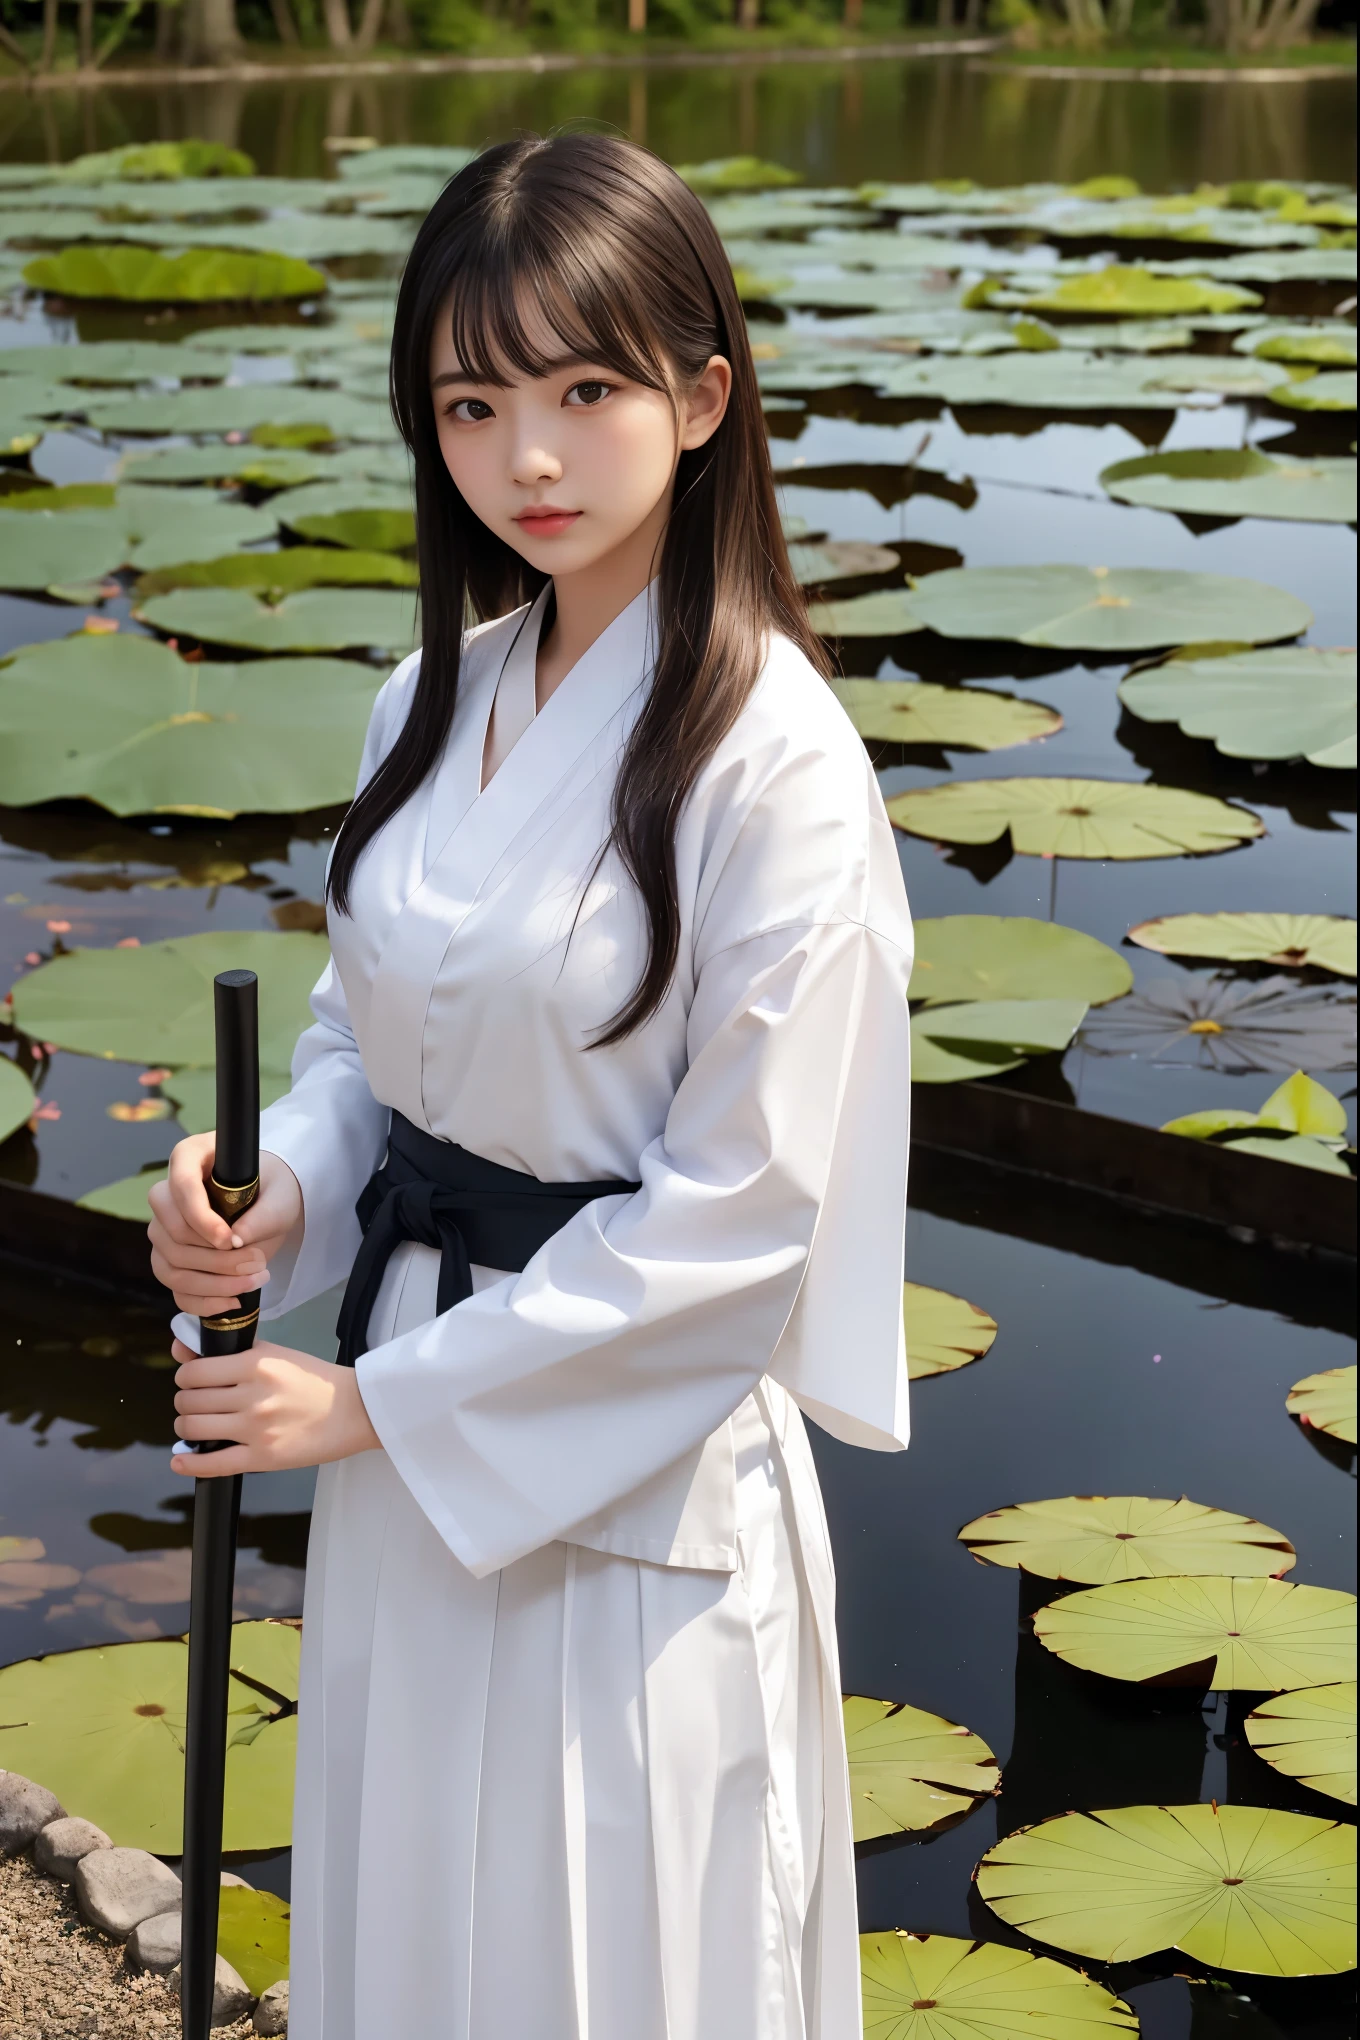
[{"x": 584, "y": 1798}]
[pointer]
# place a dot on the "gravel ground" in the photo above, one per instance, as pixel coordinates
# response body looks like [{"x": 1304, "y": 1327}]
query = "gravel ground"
[{"x": 60, "y": 1980}]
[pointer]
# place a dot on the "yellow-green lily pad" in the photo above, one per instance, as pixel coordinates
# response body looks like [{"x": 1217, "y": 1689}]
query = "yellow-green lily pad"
[
  {"x": 911, "y": 1771},
  {"x": 1098, "y": 818},
  {"x": 1310, "y": 1736},
  {"x": 933, "y": 1987},
  {"x": 1326, "y": 1402},
  {"x": 1095, "y": 1539},
  {"x": 1264, "y": 1635}
]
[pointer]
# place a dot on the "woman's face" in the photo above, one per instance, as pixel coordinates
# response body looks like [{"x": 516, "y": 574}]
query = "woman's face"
[{"x": 571, "y": 466}]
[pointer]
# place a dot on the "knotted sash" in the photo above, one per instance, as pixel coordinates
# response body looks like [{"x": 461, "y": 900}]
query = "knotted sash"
[{"x": 470, "y": 1209}]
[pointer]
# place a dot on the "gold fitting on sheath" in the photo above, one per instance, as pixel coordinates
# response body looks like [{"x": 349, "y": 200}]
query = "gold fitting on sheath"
[
  {"x": 228, "y": 1201},
  {"x": 235, "y": 1321}
]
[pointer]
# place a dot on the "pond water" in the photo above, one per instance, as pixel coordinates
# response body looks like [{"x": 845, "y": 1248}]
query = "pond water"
[{"x": 1131, "y": 1358}]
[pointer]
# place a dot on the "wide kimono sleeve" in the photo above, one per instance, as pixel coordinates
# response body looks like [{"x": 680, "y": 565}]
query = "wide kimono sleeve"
[
  {"x": 642, "y": 1325},
  {"x": 329, "y": 1128}
]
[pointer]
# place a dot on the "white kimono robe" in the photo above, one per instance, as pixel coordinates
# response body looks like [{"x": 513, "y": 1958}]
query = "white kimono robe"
[{"x": 571, "y": 1764}]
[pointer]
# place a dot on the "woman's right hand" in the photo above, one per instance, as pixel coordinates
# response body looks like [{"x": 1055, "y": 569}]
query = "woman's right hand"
[{"x": 207, "y": 1263}]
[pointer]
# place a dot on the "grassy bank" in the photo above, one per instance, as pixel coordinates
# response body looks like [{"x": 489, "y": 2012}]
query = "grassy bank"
[{"x": 1162, "y": 55}]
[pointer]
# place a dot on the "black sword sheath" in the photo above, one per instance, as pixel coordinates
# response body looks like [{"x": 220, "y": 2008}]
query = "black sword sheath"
[{"x": 217, "y": 1505}]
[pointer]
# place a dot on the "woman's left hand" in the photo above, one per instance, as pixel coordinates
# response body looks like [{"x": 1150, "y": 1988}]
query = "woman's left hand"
[{"x": 282, "y": 1407}]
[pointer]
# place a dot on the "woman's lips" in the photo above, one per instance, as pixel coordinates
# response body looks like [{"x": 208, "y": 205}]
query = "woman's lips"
[{"x": 546, "y": 523}]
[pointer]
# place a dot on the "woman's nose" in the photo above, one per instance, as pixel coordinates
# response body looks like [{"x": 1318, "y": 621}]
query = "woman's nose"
[{"x": 533, "y": 463}]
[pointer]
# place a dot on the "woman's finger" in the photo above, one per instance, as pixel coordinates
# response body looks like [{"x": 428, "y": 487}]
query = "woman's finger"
[
  {"x": 189, "y": 1163},
  {"x": 197, "y": 1302},
  {"x": 213, "y": 1465},
  {"x": 207, "y": 1430},
  {"x": 233, "y": 1264}
]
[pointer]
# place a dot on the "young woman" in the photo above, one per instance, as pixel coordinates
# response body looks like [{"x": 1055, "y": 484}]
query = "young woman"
[{"x": 612, "y": 1058}]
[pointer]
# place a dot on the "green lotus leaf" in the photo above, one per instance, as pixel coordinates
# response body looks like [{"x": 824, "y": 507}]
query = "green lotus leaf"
[
  {"x": 1096, "y": 1539},
  {"x": 126, "y": 722},
  {"x": 838, "y": 559},
  {"x": 1300, "y": 1149},
  {"x": 314, "y": 620},
  {"x": 1226, "y": 1024},
  {"x": 39, "y": 548},
  {"x": 156, "y": 160},
  {"x": 252, "y": 1933},
  {"x": 18, "y": 1100},
  {"x": 1323, "y": 941},
  {"x": 1008, "y": 956},
  {"x": 1269, "y": 265},
  {"x": 1104, "y": 609},
  {"x": 918, "y": 712},
  {"x": 1310, "y": 1736},
  {"x": 1237, "y": 482},
  {"x": 154, "y": 1004},
  {"x": 1299, "y": 1106},
  {"x": 384, "y": 531},
  {"x": 267, "y": 469},
  {"x": 1126, "y": 291},
  {"x": 735, "y": 173},
  {"x": 281, "y": 573},
  {"x": 194, "y": 1093},
  {"x": 1223, "y": 375},
  {"x": 73, "y": 496},
  {"x": 774, "y": 212},
  {"x": 291, "y": 436},
  {"x": 127, "y": 1197},
  {"x": 1325, "y": 1402},
  {"x": 931, "y": 1987},
  {"x": 116, "y": 361},
  {"x": 951, "y": 1044},
  {"x": 911, "y": 1771},
  {"x": 943, "y": 1332},
  {"x": 104, "y": 1730},
  {"x": 1238, "y": 1887},
  {"x": 403, "y": 159},
  {"x": 887, "y": 612},
  {"x": 1333, "y": 390},
  {"x": 221, "y": 408},
  {"x": 1262, "y": 1635},
  {"x": 355, "y": 493},
  {"x": 1061, "y": 380},
  {"x": 1102, "y": 818},
  {"x": 1108, "y": 187},
  {"x": 194, "y": 276},
  {"x": 1325, "y": 345},
  {"x": 935, "y": 1062}
]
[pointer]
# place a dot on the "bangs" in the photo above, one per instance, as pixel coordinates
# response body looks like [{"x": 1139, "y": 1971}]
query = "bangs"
[{"x": 517, "y": 312}]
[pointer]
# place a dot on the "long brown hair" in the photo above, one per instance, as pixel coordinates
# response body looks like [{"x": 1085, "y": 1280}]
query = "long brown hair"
[{"x": 620, "y": 260}]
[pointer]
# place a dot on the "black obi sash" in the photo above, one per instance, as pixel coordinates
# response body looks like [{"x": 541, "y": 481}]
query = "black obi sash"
[{"x": 438, "y": 1194}]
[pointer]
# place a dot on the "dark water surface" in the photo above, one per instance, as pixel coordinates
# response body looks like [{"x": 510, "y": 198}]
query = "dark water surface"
[{"x": 1130, "y": 1358}]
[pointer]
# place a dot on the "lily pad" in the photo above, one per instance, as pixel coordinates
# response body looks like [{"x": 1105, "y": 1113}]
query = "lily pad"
[
  {"x": 1326, "y": 345},
  {"x": 1049, "y": 380},
  {"x": 944, "y": 1332},
  {"x": 1126, "y": 291},
  {"x": 1281, "y": 703},
  {"x": 1333, "y": 390},
  {"x": 158, "y": 160},
  {"x": 836, "y": 559},
  {"x": 252, "y": 1933},
  {"x": 1105, "y": 609},
  {"x": 1096, "y": 1539},
  {"x": 154, "y": 1004},
  {"x": 46, "y": 548},
  {"x": 951, "y": 1044},
  {"x": 918, "y": 712},
  {"x": 18, "y": 1100},
  {"x": 194, "y": 1093},
  {"x": 887, "y": 612},
  {"x": 1226, "y": 481},
  {"x": 335, "y": 498},
  {"x": 1239, "y": 1887},
  {"x": 282, "y": 573},
  {"x": 1227, "y": 1634},
  {"x": 126, "y": 722},
  {"x": 1219, "y": 1024},
  {"x": 1100, "y": 818},
  {"x": 38, "y": 548},
  {"x": 117, "y": 361},
  {"x": 104, "y": 1730},
  {"x": 1008, "y": 956},
  {"x": 1323, "y": 941},
  {"x": 266, "y": 467},
  {"x": 127, "y": 1198},
  {"x": 314, "y": 620},
  {"x": 194, "y": 276},
  {"x": 1326, "y": 1402},
  {"x": 931, "y": 1987},
  {"x": 220, "y": 407},
  {"x": 735, "y": 173},
  {"x": 373, "y": 531},
  {"x": 911, "y": 1771},
  {"x": 1301, "y": 1122},
  {"x": 1310, "y": 1736}
]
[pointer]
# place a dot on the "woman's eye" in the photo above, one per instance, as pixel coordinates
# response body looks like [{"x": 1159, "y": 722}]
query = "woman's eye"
[
  {"x": 587, "y": 393},
  {"x": 471, "y": 411}
]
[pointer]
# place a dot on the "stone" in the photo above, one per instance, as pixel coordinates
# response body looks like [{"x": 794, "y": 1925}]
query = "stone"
[
  {"x": 154, "y": 1944},
  {"x": 116, "y": 1889},
  {"x": 61, "y": 1844},
  {"x": 271, "y": 2013},
  {"x": 232, "y": 1996},
  {"x": 25, "y": 1809}
]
